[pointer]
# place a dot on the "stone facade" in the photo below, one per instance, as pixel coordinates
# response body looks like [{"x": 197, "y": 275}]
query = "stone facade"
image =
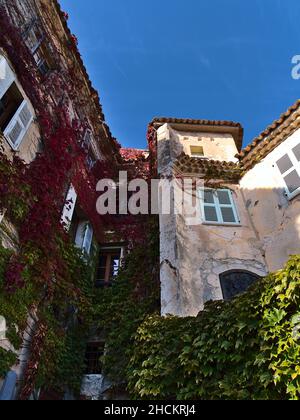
[
  {"x": 195, "y": 255},
  {"x": 44, "y": 33}
]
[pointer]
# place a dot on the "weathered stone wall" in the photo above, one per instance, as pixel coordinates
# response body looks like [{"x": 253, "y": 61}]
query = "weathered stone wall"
[
  {"x": 194, "y": 255},
  {"x": 275, "y": 217}
]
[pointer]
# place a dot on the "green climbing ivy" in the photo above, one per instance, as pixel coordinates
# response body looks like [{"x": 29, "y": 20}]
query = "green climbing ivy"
[
  {"x": 120, "y": 310},
  {"x": 248, "y": 348}
]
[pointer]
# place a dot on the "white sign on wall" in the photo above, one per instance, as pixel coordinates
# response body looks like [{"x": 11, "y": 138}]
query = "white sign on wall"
[{"x": 2, "y": 328}]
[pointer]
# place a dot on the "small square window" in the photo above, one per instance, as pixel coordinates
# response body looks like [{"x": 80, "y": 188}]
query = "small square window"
[
  {"x": 228, "y": 215},
  {"x": 210, "y": 214},
  {"x": 289, "y": 167},
  {"x": 224, "y": 197},
  {"x": 284, "y": 164},
  {"x": 197, "y": 151},
  {"x": 292, "y": 181},
  {"x": 209, "y": 197},
  {"x": 296, "y": 151},
  {"x": 218, "y": 207}
]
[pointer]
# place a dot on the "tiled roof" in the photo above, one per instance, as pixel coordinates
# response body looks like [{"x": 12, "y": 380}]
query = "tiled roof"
[
  {"x": 187, "y": 165},
  {"x": 272, "y": 136},
  {"x": 211, "y": 125},
  {"x": 83, "y": 68},
  {"x": 133, "y": 154}
]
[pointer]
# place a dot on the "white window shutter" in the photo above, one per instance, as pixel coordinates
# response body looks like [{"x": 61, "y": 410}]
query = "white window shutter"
[
  {"x": 69, "y": 207},
  {"x": 7, "y": 76},
  {"x": 18, "y": 126},
  {"x": 84, "y": 237},
  {"x": 88, "y": 238},
  {"x": 25, "y": 115},
  {"x": 79, "y": 239}
]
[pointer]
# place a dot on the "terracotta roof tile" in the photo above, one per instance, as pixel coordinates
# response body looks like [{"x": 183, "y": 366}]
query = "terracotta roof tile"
[
  {"x": 264, "y": 136},
  {"x": 187, "y": 165},
  {"x": 94, "y": 93},
  {"x": 238, "y": 136}
]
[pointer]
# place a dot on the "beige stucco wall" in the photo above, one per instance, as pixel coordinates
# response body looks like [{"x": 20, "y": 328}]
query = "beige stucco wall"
[
  {"x": 193, "y": 255},
  {"x": 276, "y": 218},
  {"x": 215, "y": 146}
]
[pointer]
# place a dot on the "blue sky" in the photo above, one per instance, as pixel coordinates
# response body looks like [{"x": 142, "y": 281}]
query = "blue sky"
[{"x": 210, "y": 59}]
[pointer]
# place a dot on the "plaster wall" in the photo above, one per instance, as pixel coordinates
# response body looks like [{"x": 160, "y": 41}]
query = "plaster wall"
[
  {"x": 194, "y": 255},
  {"x": 276, "y": 217}
]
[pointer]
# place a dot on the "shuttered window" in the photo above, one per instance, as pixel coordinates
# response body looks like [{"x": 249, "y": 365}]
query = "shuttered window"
[
  {"x": 18, "y": 126},
  {"x": 218, "y": 207},
  {"x": 69, "y": 207},
  {"x": 84, "y": 237},
  {"x": 15, "y": 114},
  {"x": 289, "y": 168}
]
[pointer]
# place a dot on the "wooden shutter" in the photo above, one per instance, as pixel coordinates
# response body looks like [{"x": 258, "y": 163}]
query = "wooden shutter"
[
  {"x": 69, "y": 207},
  {"x": 84, "y": 237},
  {"x": 88, "y": 238},
  {"x": 17, "y": 128}
]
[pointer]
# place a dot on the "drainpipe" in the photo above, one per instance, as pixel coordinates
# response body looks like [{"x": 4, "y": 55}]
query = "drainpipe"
[{"x": 8, "y": 390}]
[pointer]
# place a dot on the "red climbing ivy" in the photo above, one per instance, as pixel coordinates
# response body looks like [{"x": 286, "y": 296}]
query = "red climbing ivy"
[{"x": 33, "y": 195}]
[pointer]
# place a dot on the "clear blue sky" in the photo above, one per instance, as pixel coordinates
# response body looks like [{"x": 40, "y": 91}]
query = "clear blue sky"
[{"x": 211, "y": 59}]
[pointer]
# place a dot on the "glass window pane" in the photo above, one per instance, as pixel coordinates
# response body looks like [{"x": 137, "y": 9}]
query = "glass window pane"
[
  {"x": 210, "y": 214},
  {"x": 284, "y": 164},
  {"x": 235, "y": 283},
  {"x": 224, "y": 197},
  {"x": 296, "y": 152},
  {"x": 292, "y": 181},
  {"x": 209, "y": 197},
  {"x": 228, "y": 215}
]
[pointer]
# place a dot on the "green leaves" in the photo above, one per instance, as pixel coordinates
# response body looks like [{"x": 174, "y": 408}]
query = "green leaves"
[{"x": 246, "y": 349}]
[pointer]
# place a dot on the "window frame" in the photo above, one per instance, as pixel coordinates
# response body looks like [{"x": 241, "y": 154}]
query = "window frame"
[
  {"x": 84, "y": 237},
  {"x": 197, "y": 155},
  {"x": 11, "y": 77},
  {"x": 108, "y": 250},
  {"x": 222, "y": 277},
  {"x": 296, "y": 167},
  {"x": 13, "y": 122},
  {"x": 218, "y": 206}
]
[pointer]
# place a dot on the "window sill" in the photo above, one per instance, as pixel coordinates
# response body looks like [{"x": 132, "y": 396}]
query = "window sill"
[
  {"x": 291, "y": 197},
  {"x": 222, "y": 224}
]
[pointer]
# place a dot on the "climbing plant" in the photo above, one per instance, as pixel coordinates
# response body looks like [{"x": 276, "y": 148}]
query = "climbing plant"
[
  {"x": 120, "y": 310},
  {"x": 245, "y": 349}
]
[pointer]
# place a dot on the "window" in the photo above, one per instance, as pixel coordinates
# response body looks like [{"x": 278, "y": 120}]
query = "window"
[
  {"x": 69, "y": 207},
  {"x": 84, "y": 237},
  {"x": 234, "y": 283},
  {"x": 217, "y": 207},
  {"x": 9, "y": 105},
  {"x": 289, "y": 168},
  {"x": 15, "y": 115},
  {"x": 93, "y": 355},
  {"x": 35, "y": 41},
  {"x": 109, "y": 266},
  {"x": 87, "y": 145},
  {"x": 197, "y": 151}
]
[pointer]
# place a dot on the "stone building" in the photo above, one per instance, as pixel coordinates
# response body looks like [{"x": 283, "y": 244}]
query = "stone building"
[
  {"x": 246, "y": 220},
  {"x": 41, "y": 75},
  {"x": 249, "y": 209}
]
